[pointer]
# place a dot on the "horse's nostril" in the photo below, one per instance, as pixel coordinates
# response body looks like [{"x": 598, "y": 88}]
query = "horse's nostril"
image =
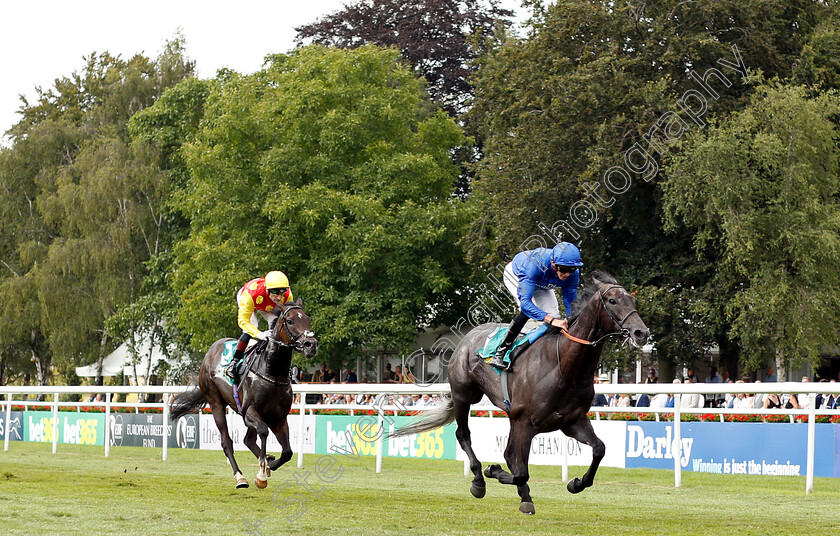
[{"x": 639, "y": 334}]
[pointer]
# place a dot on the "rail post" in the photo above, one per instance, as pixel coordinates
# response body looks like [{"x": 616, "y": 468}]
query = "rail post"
[
  {"x": 812, "y": 428},
  {"x": 677, "y": 445},
  {"x": 107, "y": 424},
  {"x": 8, "y": 421},
  {"x": 56, "y": 427},
  {"x": 165, "y": 432}
]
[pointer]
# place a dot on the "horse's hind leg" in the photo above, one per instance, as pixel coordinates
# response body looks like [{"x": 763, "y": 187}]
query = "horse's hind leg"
[
  {"x": 227, "y": 443},
  {"x": 583, "y": 432},
  {"x": 462, "y": 433},
  {"x": 281, "y": 431}
]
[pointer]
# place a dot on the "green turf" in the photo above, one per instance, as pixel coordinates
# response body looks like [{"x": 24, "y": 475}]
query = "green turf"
[{"x": 79, "y": 491}]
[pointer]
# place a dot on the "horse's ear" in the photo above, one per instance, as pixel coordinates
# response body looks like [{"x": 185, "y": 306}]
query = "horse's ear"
[{"x": 299, "y": 302}]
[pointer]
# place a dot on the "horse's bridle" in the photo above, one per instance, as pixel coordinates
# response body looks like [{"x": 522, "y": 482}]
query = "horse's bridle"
[
  {"x": 297, "y": 341},
  {"x": 622, "y": 331},
  {"x": 297, "y": 344}
]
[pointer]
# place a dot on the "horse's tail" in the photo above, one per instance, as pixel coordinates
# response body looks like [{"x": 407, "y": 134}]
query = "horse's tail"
[
  {"x": 186, "y": 402},
  {"x": 442, "y": 415}
]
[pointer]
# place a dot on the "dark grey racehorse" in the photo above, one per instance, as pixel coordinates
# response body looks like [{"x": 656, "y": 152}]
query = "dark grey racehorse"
[
  {"x": 266, "y": 391},
  {"x": 551, "y": 389}
]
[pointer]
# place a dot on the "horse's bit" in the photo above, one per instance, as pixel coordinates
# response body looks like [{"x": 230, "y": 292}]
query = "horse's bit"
[
  {"x": 297, "y": 342},
  {"x": 622, "y": 331}
]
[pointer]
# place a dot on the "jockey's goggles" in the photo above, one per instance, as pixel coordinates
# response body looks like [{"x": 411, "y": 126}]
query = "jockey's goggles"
[
  {"x": 565, "y": 269},
  {"x": 277, "y": 291}
]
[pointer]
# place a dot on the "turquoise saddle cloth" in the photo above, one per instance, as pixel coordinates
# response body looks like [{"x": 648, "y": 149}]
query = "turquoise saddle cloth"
[{"x": 495, "y": 338}]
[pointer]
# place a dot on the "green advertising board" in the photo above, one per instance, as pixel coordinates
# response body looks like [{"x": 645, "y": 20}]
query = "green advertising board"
[
  {"x": 357, "y": 435},
  {"x": 72, "y": 428}
]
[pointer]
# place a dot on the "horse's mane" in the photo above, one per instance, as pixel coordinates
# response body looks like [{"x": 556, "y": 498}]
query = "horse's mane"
[{"x": 598, "y": 276}]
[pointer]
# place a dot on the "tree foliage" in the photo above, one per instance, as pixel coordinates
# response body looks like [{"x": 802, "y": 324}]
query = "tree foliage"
[
  {"x": 332, "y": 166},
  {"x": 439, "y": 38},
  {"x": 764, "y": 188},
  {"x": 82, "y": 206}
]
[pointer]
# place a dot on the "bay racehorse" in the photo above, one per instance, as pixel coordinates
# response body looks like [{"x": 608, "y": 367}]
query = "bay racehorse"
[
  {"x": 265, "y": 391},
  {"x": 551, "y": 388}
]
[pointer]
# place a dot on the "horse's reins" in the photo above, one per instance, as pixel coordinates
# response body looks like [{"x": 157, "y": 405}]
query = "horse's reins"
[
  {"x": 295, "y": 343},
  {"x": 622, "y": 331}
]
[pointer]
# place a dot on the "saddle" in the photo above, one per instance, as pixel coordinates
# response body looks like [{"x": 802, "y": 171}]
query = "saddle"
[
  {"x": 495, "y": 338},
  {"x": 254, "y": 349}
]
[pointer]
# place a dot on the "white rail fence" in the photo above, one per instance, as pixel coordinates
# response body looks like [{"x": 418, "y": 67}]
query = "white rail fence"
[{"x": 809, "y": 388}]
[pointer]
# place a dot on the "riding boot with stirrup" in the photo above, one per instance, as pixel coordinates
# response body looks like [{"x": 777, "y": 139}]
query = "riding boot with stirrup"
[
  {"x": 233, "y": 368},
  {"x": 515, "y": 327}
]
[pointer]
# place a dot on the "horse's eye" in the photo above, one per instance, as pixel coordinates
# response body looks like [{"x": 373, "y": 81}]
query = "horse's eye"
[{"x": 612, "y": 301}]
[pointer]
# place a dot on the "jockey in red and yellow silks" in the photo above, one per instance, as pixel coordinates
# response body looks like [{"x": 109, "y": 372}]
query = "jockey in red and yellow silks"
[{"x": 262, "y": 295}]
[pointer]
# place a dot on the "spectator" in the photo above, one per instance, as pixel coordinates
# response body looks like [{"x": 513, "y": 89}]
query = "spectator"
[
  {"x": 318, "y": 375},
  {"x": 398, "y": 375},
  {"x": 350, "y": 376},
  {"x": 659, "y": 401},
  {"x": 804, "y": 399},
  {"x": 691, "y": 400},
  {"x": 388, "y": 377},
  {"x": 790, "y": 401},
  {"x": 772, "y": 401},
  {"x": 669, "y": 402},
  {"x": 643, "y": 400},
  {"x": 328, "y": 376},
  {"x": 435, "y": 400},
  {"x": 601, "y": 399},
  {"x": 727, "y": 402},
  {"x": 624, "y": 401},
  {"x": 408, "y": 377},
  {"x": 294, "y": 374},
  {"x": 690, "y": 375},
  {"x": 714, "y": 400},
  {"x": 652, "y": 377},
  {"x": 758, "y": 399},
  {"x": 771, "y": 374},
  {"x": 406, "y": 399}
]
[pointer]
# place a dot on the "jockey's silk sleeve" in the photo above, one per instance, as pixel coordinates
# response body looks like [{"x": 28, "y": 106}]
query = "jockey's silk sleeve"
[{"x": 246, "y": 310}]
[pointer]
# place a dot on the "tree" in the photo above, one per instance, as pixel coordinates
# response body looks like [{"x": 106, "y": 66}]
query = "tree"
[
  {"x": 439, "y": 38},
  {"x": 330, "y": 165},
  {"x": 764, "y": 188},
  {"x": 82, "y": 205}
]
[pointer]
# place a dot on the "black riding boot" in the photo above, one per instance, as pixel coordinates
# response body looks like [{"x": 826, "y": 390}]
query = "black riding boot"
[
  {"x": 515, "y": 327},
  {"x": 233, "y": 368}
]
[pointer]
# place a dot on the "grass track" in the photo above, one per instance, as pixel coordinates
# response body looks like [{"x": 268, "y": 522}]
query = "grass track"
[{"x": 79, "y": 491}]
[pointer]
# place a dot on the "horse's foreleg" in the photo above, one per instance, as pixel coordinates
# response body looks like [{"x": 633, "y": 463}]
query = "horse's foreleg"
[
  {"x": 281, "y": 431},
  {"x": 582, "y": 431},
  {"x": 462, "y": 433},
  {"x": 227, "y": 443},
  {"x": 516, "y": 455},
  {"x": 253, "y": 420}
]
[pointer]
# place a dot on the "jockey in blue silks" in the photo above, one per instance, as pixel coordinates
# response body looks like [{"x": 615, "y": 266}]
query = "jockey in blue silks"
[{"x": 531, "y": 278}]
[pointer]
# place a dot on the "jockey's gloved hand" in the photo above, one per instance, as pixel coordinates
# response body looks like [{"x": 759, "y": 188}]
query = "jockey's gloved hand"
[{"x": 264, "y": 335}]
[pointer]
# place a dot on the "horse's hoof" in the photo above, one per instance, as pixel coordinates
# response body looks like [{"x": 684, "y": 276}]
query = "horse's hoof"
[
  {"x": 527, "y": 508},
  {"x": 478, "y": 491},
  {"x": 488, "y": 471},
  {"x": 269, "y": 458},
  {"x": 262, "y": 484},
  {"x": 241, "y": 482},
  {"x": 575, "y": 485}
]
